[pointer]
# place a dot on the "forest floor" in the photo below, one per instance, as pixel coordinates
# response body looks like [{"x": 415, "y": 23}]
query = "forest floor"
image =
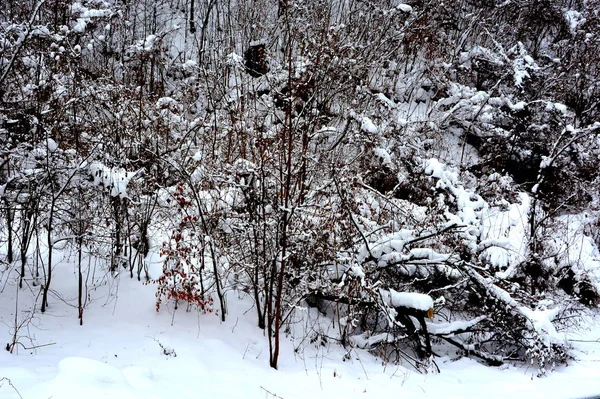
[{"x": 126, "y": 350}]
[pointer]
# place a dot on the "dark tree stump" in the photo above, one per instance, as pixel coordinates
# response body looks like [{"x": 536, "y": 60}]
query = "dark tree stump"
[{"x": 256, "y": 60}]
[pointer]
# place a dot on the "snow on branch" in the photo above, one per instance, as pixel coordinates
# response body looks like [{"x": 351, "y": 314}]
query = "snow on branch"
[
  {"x": 455, "y": 327},
  {"x": 410, "y": 300},
  {"x": 115, "y": 178},
  {"x": 368, "y": 341}
]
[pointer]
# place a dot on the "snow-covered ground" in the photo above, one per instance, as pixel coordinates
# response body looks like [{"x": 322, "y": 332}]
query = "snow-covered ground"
[{"x": 126, "y": 350}]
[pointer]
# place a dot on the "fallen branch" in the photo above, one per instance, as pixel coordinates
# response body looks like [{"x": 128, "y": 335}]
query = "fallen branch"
[{"x": 492, "y": 360}]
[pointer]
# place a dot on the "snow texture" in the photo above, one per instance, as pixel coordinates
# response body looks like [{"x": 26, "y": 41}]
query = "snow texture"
[{"x": 117, "y": 354}]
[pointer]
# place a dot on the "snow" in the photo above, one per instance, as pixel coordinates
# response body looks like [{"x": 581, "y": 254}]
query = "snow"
[
  {"x": 189, "y": 64},
  {"x": 197, "y": 157},
  {"x": 168, "y": 103},
  {"x": 367, "y": 125},
  {"x": 501, "y": 231},
  {"x": 116, "y": 354},
  {"x": 385, "y": 100},
  {"x": 519, "y": 76},
  {"x": 116, "y": 179},
  {"x": 386, "y": 245},
  {"x": 411, "y": 300},
  {"x": 126, "y": 350},
  {"x": 521, "y": 64},
  {"x": 84, "y": 15},
  {"x": 434, "y": 168},
  {"x": 574, "y": 19},
  {"x": 494, "y": 242},
  {"x": 519, "y": 106},
  {"x": 561, "y": 108},
  {"x": 258, "y": 42},
  {"x": 365, "y": 340},
  {"x": 384, "y": 155},
  {"x": 92, "y": 379},
  {"x": 541, "y": 322},
  {"x": 470, "y": 205},
  {"x": 358, "y": 272},
  {"x": 149, "y": 42},
  {"x": 428, "y": 254},
  {"x": 453, "y": 327},
  {"x": 404, "y": 7},
  {"x": 51, "y": 145},
  {"x": 576, "y": 249}
]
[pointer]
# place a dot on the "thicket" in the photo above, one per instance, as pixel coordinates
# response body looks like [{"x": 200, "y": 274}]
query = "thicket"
[{"x": 421, "y": 173}]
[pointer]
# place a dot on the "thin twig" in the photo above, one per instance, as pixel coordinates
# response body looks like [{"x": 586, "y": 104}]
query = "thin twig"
[{"x": 11, "y": 385}]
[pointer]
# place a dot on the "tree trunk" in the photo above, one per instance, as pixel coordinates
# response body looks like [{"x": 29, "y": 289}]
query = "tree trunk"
[{"x": 46, "y": 287}]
